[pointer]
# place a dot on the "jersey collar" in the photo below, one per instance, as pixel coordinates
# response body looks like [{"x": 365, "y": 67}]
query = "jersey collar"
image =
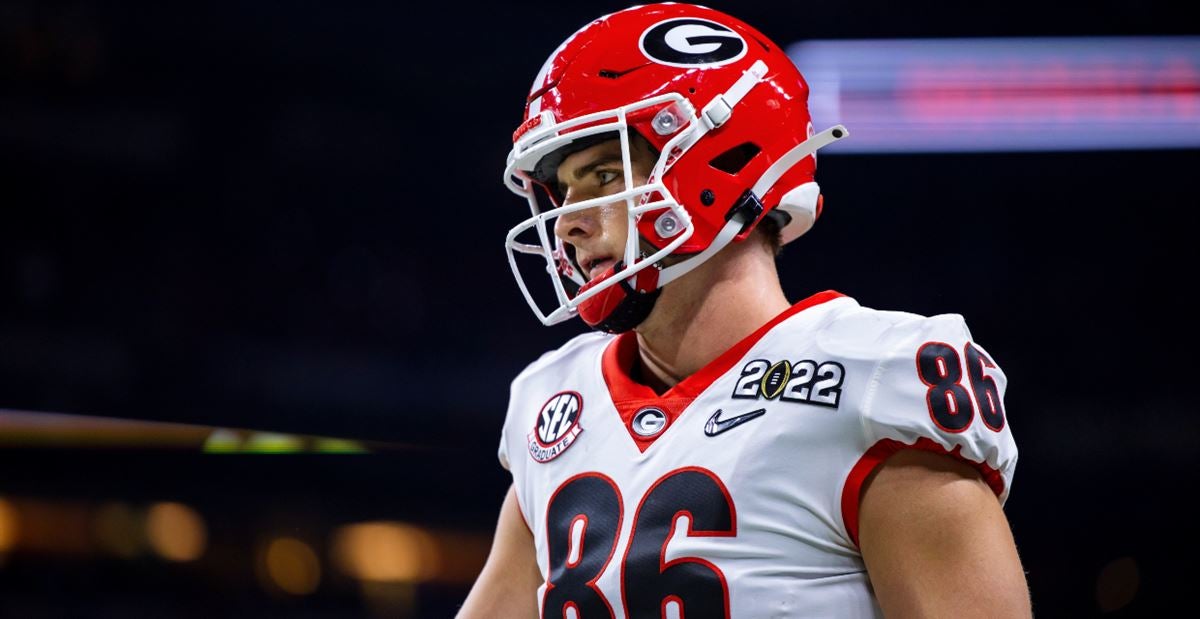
[{"x": 630, "y": 396}]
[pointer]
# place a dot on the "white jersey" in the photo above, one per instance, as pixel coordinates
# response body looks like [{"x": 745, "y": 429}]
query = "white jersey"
[{"x": 735, "y": 493}]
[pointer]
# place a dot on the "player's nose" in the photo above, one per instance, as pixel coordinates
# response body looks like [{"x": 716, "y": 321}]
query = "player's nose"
[{"x": 577, "y": 224}]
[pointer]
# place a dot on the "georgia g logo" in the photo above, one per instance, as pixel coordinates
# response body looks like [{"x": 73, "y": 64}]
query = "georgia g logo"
[
  {"x": 557, "y": 426},
  {"x": 688, "y": 42}
]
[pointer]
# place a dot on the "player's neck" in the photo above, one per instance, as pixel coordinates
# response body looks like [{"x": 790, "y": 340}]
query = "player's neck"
[{"x": 707, "y": 311}]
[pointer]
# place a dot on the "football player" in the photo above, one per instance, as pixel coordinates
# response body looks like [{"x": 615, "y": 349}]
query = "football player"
[{"x": 712, "y": 449}]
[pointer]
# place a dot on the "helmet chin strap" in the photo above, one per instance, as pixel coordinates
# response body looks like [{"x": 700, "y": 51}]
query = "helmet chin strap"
[
  {"x": 623, "y": 306},
  {"x": 718, "y": 111},
  {"x": 626, "y": 306},
  {"x": 732, "y": 228}
]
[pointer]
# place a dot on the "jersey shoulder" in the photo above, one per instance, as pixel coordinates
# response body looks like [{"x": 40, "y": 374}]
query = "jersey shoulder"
[
  {"x": 583, "y": 348},
  {"x": 547, "y": 372},
  {"x": 866, "y": 333},
  {"x": 930, "y": 386}
]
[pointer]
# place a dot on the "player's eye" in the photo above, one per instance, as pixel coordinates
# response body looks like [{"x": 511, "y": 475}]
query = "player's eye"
[{"x": 607, "y": 176}]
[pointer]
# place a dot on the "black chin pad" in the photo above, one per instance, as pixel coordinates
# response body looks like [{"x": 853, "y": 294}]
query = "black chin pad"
[{"x": 631, "y": 311}]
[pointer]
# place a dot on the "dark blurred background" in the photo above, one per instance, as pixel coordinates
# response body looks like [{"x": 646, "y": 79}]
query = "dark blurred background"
[{"x": 288, "y": 218}]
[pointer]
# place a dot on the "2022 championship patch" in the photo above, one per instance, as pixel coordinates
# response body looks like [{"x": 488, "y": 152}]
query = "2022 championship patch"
[{"x": 807, "y": 381}]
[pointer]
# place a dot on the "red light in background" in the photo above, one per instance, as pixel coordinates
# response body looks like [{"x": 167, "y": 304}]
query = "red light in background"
[{"x": 1006, "y": 94}]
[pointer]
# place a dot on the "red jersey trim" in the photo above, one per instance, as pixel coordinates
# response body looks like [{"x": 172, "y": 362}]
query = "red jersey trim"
[
  {"x": 880, "y": 452},
  {"x": 630, "y": 396}
]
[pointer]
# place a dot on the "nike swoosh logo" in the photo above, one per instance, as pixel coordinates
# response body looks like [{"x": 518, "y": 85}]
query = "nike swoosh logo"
[{"x": 716, "y": 425}]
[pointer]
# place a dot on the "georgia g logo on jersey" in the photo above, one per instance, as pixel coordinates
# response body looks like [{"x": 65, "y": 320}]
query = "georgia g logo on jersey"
[
  {"x": 688, "y": 42},
  {"x": 557, "y": 426}
]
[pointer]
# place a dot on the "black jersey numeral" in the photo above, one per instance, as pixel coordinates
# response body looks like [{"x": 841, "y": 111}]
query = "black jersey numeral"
[
  {"x": 583, "y": 523},
  {"x": 991, "y": 409},
  {"x": 950, "y": 404},
  {"x": 577, "y": 557},
  {"x": 697, "y": 586}
]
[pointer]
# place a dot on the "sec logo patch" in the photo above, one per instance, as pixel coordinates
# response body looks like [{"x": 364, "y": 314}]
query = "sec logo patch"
[{"x": 557, "y": 426}]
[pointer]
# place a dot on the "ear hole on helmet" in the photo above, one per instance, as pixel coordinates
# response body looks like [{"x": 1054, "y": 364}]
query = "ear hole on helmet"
[{"x": 733, "y": 160}]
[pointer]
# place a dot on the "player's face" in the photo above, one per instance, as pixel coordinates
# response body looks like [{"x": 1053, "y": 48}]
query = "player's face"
[{"x": 598, "y": 234}]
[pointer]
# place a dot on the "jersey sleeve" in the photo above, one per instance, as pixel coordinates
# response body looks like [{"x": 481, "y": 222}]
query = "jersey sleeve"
[
  {"x": 935, "y": 389},
  {"x": 502, "y": 452},
  {"x": 514, "y": 392}
]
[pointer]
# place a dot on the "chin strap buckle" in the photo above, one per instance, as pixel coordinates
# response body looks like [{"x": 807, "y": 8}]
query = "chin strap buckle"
[
  {"x": 718, "y": 111},
  {"x": 746, "y": 210}
]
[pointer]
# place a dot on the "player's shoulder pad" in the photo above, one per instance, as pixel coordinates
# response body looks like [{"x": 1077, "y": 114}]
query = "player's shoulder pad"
[
  {"x": 935, "y": 388},
  {"x": 864, "y": 333},
  {"x": 585, "y": 345}
]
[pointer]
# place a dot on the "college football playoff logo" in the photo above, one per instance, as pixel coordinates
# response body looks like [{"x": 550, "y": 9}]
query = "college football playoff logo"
[
  {"x": 688, "y": 42},
  {"x": 806, "y": 382},
  {"x": 557, "y": 426}
]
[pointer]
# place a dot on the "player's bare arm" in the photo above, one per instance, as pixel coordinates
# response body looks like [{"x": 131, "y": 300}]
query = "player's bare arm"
[
  {"x": 936, "y": 542},
  {"x": 507, "y": 586}
]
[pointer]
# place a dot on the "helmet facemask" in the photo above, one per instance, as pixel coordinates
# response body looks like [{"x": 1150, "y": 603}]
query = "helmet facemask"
[
  {"x": 526, "y": 177},
  {"x": 726, "y": 111}
]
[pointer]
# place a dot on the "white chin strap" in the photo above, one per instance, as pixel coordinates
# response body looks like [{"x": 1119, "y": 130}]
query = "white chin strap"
[
  {"x": 800, "y": 203},
  {"x": 727, "y": 234}
]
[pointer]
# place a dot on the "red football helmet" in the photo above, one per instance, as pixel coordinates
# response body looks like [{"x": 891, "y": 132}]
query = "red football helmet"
[{"x": 727, "y": 112}]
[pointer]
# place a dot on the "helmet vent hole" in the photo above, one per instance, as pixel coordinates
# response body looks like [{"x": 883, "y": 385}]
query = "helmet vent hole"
[{"x": 733, "y": 160}]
